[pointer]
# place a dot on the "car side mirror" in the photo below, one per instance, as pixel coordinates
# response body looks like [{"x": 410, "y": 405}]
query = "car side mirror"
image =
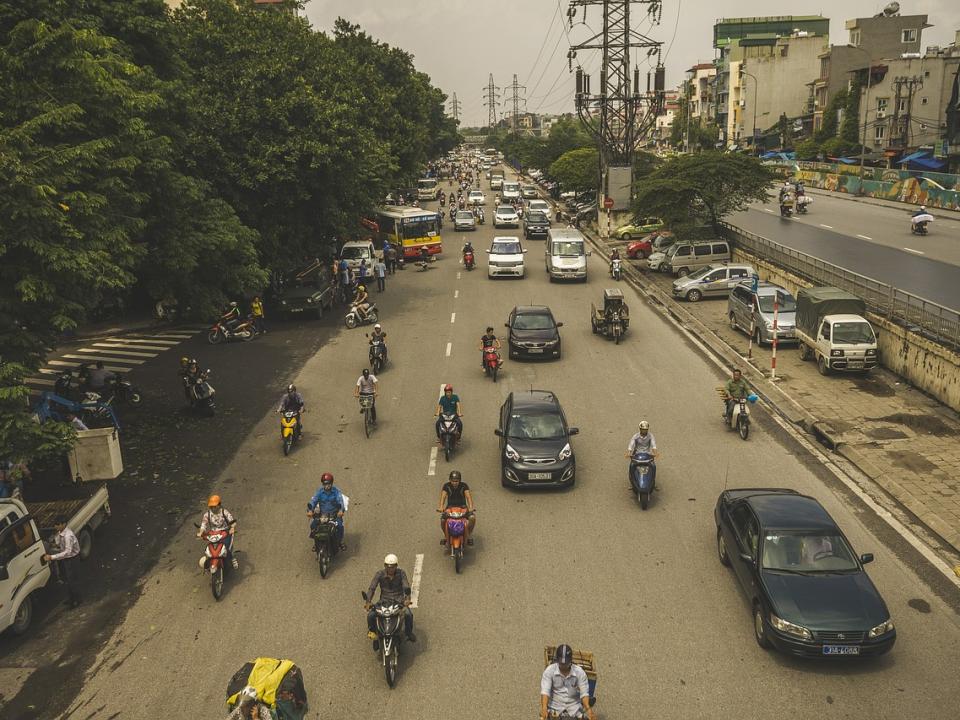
[
  {"x": 573, "y": 431},
  {"x": 498, "y": 432},
  {"x": 560, "y": 324},
  {"x": 589, "y": 252},
  {"x": 866, "y": 558},
  {"x": 747, "y": 558},
  {"x": 506, "y": 325},
  {"x": 487, "y": 252},
  {"x": 524, "y": 252}
]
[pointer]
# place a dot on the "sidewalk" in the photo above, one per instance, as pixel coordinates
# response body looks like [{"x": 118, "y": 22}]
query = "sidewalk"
[{"x": 893, "y": 204}]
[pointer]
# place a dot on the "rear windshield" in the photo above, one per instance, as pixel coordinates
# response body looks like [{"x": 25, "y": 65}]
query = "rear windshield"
[
  {"x": 510, "y": 187},
  {"x": 506, "y": 210},
  {"x": 464, "y": 214},
  {"x": 539, "y": 204},
  {"x": 429, "y": 184},
  {"x": 787, "y": 303},
  {"x": 536, "y": 216}
]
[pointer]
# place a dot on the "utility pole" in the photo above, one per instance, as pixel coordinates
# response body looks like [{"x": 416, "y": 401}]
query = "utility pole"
[
  {"x": 516, "y": 101},
  {"x": 902, "y": 126},
  {"x": 620, "y": 116},
  {"x": 491, "y": 100},
  {"x": 455, "y": 107}
]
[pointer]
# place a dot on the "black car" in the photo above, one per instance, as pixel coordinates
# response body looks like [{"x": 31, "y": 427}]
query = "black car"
[
  {"x": 535, "y": 446},
  {"x": 535, "y": 224},
  {"x": 533, "y": 332},
  {"x": 809, "y": 592}
]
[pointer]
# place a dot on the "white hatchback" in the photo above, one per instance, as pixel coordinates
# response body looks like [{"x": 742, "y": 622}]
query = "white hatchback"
[
  {"x": 506, "y": 216},
  {"x": 506, "y": 258}
]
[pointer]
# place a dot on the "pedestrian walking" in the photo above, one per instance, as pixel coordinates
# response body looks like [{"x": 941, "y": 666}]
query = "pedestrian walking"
[
  {"x": 380, "y": 270},
  {"x": 392, "y": 259},
  {"x": 66, "y": 559},
  {"x": 256, "y": 312},
  {"x": 363, "y": 273}
]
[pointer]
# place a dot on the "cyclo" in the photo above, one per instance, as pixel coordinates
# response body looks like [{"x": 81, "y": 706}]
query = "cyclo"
[
  {"x": 584, "y": 659},
  {"x": 613, "y": 318}
]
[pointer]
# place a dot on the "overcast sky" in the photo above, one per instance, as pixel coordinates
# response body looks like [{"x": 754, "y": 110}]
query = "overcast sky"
[{"x": 460, "y": 42}]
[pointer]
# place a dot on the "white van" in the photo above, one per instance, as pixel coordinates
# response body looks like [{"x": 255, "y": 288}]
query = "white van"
[
  {"x": 356, "y": 250},
  {"x": 566, "y": 254},
  {"x": 511, "y": 191}
]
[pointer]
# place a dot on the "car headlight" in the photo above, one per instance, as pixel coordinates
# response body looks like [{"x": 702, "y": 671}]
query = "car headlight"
[
  {"x": 309, "y": 300},
  {"x": 512, "y": 454},
  {"x": 283, "y": 302},
  {"x": 871, "y": 352},
  {"x": 836, "y": 353},
  {"x": 785, "y": 626},
  {"x": 565, "y": 453},
  {"x": 881, "y": 629}
]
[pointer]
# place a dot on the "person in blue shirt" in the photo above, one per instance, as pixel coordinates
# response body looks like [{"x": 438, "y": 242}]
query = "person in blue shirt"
[
  {"x": 327, "y": 500},
  {"x": 449, "y": 404}
]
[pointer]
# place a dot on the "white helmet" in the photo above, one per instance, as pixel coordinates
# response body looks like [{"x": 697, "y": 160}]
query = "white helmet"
[
  {"x": 390, "y": 559},
  {"x": 248, "y": 695},
  {"x": 377, "y": 326},
  {"x": 644, "y": 425}
]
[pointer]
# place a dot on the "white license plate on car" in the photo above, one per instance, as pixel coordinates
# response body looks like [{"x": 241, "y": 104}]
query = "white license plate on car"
[
  {"x": 856, "y": 363},
  {"x": 841, "y": 649},
  {"x": 535, "y": 350},
  {"x": 539, "y": 476},
  {"x": 293, "y": 310}
]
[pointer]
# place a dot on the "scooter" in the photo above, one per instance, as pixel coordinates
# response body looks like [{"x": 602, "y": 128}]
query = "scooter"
[
  {"x": 377, "y": 356},
  {"x": 468, "y": 261},
  {"x": 243, "y": 330},
  {"x": 216, "y": 558},
  {"x": 918, "y": 223},
  {"x": 491, "y": 361},
  {"x": 448, "y": 435},
  {"x": 739, "y": 418},
  {"x": 353, "y": 317},
  {"x": 200, "y": 393},
  {"x": 802, "y": 202},
  {"x": 289, "y": 429},
  {"x": 478, "y": 214},
  {"x": 390, "y": 618},
  {"x": 615, "y": 269},
  {"x": 643, "y": 474},
  {"x": 326, "y": 541},
  {"x": 455, "y": 529}
]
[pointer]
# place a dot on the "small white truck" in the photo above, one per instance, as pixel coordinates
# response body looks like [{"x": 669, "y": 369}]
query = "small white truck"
[
  {"x": 26, "y": 530},
  {"x": 831, "y": 329}
]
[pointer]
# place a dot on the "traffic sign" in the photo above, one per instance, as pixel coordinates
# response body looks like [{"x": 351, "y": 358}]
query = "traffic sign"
[{"x": 608, "y": 203}]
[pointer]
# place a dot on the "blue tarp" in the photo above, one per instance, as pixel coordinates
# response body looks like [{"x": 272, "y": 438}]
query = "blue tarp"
[
  {"x": 847, "y": 161},
  {"x": 926, "y": 163},
  {"x": 913, "y": 156}
]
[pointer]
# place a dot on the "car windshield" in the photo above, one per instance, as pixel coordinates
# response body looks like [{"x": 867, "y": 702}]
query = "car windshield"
[
  {"x": 538, "y": 204},
  {"x": 427, "y": 184},
  {"x": 807, "y": 553},
  {"x": 420, "y": 227},
  {"x": 476, "y": 193},
  {"x": 700, "y": 273},
  {"x": 536, "y": 216},
  {"x": 532, "y": 321},
  {"x": 510, "y": 187},
  {"x": 506, "y": 248},
  {"x": 354, "y": 252},
  {"x": 461, "y": 214},
  {"x": 568, "y": 248},
  {"x": 787, "y": 303},
  {"x": 542, "y": 426},
  {"x": 506, "y": 210},
  {"x": 853, "y": 333}
]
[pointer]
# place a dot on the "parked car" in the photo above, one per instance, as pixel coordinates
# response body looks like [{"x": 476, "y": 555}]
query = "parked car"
[
  {"x": 659, "y": 240},
  {"x": 711, "y": 281},
  {"x": 354, "y": 251},
  {"x": 506, "y": 258},
  {"x": 464, "y": 220},
  {"x": 684, "y": 257},
  {"x": 535, "y": 448},
  {"x": 638, "y": 227},
  {"x": 476, "y": 197},
  {"x": 535, "y": 224},
  {"x": 542, "y": 206},
  {"x": 807, "y": 588},
  {"x": 506, "y": 216},
  {"x": 752, "y": 311},
  {"x": 534, "y": 333},
  {"x": 528, "y": 191}
]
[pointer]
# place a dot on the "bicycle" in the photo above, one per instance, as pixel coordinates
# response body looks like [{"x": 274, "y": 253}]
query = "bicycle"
[{"x": 366, "y": 405}]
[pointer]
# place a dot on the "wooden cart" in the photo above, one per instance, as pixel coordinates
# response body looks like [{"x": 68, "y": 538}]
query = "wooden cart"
[
  {"x": 584, "y": 659},
  {"x": 613, "y": 318}
]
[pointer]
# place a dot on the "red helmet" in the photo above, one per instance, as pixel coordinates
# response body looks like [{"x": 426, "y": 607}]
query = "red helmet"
[
  {"x": 326, "y": 477},
  {"x": 447, "y": 387}
]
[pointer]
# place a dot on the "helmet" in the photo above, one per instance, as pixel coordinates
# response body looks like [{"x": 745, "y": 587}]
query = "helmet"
[
  {"x": 361, "y": 288},
  {"x": 248, "y": 695},
  {"x": 326, "y": 478},
  {"x": 291, "y": 388},
  {"x": 390, "y": 559},
  {"x": 377, "y": 327},
  {"x": 193, "y": 361},
  {"x": 923, "y": 207},
  {"x": 448, "y": 388},
  {"x": 563, "y": 655},
  {"x": 233, "y": 304},
  {"x": 184, "y": 360},
  {"x": 644, "y": 425},
  {"x": 213, "y": 501},
  {"x": 455, "y": 475}
]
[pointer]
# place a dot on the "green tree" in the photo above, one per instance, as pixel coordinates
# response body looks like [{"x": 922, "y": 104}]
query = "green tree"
[
  {"x": 807, "y": 149},
  {"x": 690, "y": 190},
  {"x": 850, "y": 127},
  {"x": 830, "y": 125},
  {"x": 577, "y": 170}
]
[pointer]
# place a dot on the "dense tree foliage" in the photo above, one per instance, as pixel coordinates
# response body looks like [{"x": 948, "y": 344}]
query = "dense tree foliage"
[
  {"x": 148, "y": 154},
  {"x": 530, "y": 151},
  {"x": 577, "y": 170}
]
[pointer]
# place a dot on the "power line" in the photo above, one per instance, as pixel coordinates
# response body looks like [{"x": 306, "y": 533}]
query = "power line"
[{"x": 543, "y": 44}]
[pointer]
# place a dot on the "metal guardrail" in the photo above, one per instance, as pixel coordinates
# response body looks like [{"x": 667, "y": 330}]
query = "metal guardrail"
[{"x": 935, "y": 322}]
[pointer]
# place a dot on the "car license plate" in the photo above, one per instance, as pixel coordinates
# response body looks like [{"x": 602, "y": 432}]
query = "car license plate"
[
  {"x": 293, "y": 310},
  {"x": 539, "y": 476},
  {"x": 535, "y": 350},
  {"x": 841, "y": 649},
  {"x": 856, "y": 363}
]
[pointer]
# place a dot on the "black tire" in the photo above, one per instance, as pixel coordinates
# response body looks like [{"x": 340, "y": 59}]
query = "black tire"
[
  {"x": 458, "y": 559},
  {"x": 367, "y": 422},
  {"x": 85, "y": 539},
  {"x": 616, "y": 338},
  {"x": 214, "y": 337},
  {"x": 350, "y": 320},
  {"x": 644, "y": 500},
  {"x": 805, "y": 353},
  {"x": 287, "y": 444},
  {"x": 216, "y": 582},
  {"x": 377, "y": 366},
  {"x": 210, "y": 410},
  {"x": 822, "y": 366},
  {"x": 323, "y": 560},
  {"x": 134, "y": 397},
  {"x": 683, "y": 272},
  {"x": 694, "y": 296},
  {"x": 390, "y": 668},
  {"x": 494, "y": 373},
  {"x": 23, "y": 617},
  {"x": 733, "y": 321},
  {"x": 447, "y": 447},
  {"x": 626, "y": 236},
  {"x": 743, "y": 427},
  {"x": 248, "y": 336},
  {"x": 373, "y": 317},
  {"x": 760, "y": 627},
  {"x": 722, "y": 549}
]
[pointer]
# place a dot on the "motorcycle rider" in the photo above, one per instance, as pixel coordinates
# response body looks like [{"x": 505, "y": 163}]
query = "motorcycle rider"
[
  {"x": 218, "y": 517},
  {"x": 231, "y": 317},
  {"x": 735, "y": 389},
  {"x": 367, "y": 385},
  {"x": 489, "y": 339},
  {"x": 97, "y": 379},
  {"x": 467, "y": 248},
  {"x": 190, "y": 372},
  {"x": 456, "y": 493},
  {"x": 564, "y": 687},
  {"x": 327, "y": 500},
  {"x": 921, "y": 211},
  {"x": 378, "y": 335},
  {"x": 449, "y": 404},
  {"x": 249, "y": 706},
  {"x": 360, "y": 303},
  {"x": 394, "y": 587},
  {"x": 643, "y": 442},
  {"x": 292, "y": 401}
]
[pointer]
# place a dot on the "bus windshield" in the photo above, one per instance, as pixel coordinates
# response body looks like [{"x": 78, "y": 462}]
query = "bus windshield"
[
  {"x": 419, "y": 227},
  {"x": 427, "y": 184}
]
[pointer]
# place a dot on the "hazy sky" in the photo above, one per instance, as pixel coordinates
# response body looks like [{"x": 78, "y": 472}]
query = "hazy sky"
[{"x": 460, "y": 42}]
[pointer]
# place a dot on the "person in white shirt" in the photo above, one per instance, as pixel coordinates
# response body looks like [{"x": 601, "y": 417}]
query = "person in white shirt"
[
  {"x": 564, "y": 687},
  {"x": 367, "y": 385},
  {"x": 76, "y": 423},
  {"x": 66, "y": 559}
]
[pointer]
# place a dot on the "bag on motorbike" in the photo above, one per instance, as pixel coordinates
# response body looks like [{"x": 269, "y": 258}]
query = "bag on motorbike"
[{"x": 279, "y": 685}]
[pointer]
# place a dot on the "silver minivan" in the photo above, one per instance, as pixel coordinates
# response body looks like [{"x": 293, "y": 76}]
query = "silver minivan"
[
  {"x": 711, "y": 281},
  {"x": 752, "y": 311},
  {"x": 684, "y": 257},
  {"x": 566, "y": 254}
]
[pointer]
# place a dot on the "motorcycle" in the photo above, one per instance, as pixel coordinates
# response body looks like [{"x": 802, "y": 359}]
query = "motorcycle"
[
  {"x": 289, "y": 429},
  {"x": 453, "y": 211},
  {"x": 802, "y": 202},
  {"x": 918, "y": 223},
  {"x": 455, "y": 529},
  {"x": 200, "y": 393},
  {"x": 377, "y": 355},
  {"x": 243, "y": 330},
  {"x": 120, "y": 390},
  {"x": 491, "y": 361},
  {"x": 643, "y": 473},
  {"x": 326, "y": 541},
  {"x": 353, "y": 317},
  {"x": 448, "y": 434},
  {"x": 468, "y": 261},
  {"x": 216, "y": 558},
  {"x": 390, "y": 618},
  {"x": 739, "y": 418},
  {"x": 615, "y": 269},
  {"x": 478, "y": 214}
]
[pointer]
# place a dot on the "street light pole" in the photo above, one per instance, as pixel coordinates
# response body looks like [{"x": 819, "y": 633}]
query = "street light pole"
[
  {"x": 744, "y": 72},
  {"x": 866, "y": 110}
]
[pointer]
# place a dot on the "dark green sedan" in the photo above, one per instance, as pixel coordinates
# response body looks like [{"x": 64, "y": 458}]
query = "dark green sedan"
[{"x": 809, "y": 592}]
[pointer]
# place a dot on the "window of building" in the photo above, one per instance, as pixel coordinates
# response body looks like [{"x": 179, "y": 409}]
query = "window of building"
[
  {"x": 923, "y": 101},
  {"x": 855, "y": 37},
  {"x": 882, "y": 104},
  {"x": 880, "y": 132},
  {"x": 926, "y": 73},
  {"x": 908, "y": 36},
  {"x": 902, "y": 105}
]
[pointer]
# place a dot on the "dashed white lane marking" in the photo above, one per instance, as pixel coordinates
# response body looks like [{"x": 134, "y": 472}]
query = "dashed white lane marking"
[
  {"x": 415, "y": 581},
  {"x": 864, "y": 237},
  {"x": 453, "y": 317},
  {"x": 915, "y": 252},
  {"x": 449, "y": 348},
  {"x": 828, "y": 227},
  {"x": 456, "y": 294},
  {"x": 458, "y": 276},
  {"x": 432, "y": 467}
]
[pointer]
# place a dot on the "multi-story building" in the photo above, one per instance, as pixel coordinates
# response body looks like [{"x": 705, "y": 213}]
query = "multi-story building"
[
  {"x": 664, "y": 121},
  {"x": 702, "y": 81}
]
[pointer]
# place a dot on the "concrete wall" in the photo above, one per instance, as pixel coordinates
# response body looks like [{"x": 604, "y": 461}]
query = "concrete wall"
[
  {"x": 782, "y": 80},
  {"x": 924, "y": 364},
  {"x": 882, "y": 36}
]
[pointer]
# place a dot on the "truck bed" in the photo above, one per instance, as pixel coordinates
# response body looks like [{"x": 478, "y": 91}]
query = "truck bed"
[{"x": 76, "y": 512}]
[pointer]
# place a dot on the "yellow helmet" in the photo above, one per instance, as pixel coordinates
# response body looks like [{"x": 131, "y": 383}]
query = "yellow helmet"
[{"x": 361, "y": 288}]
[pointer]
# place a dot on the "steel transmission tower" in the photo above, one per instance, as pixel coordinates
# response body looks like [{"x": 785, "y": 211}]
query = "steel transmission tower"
[
  {"x": 515, "y": 100},
  {"x": 491, "y": 100},
  {"x": 455, "y": 107},
  {"x": 620, "y": 116}
]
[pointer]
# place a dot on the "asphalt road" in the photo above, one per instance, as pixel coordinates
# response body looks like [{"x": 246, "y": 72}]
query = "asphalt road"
[
  {"x": 643, "y": 590},
  {"x": 871, "y": 240}
]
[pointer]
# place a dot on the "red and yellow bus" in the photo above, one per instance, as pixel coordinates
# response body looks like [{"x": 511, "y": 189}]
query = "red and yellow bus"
[{"x": 410, "y": 228}]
